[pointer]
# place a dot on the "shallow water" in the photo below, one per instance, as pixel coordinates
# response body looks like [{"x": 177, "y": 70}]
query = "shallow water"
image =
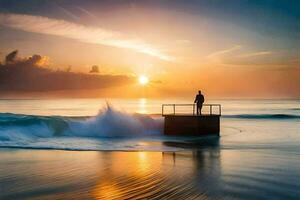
[
  {"x": 209, "y": 173},
  {"x": 256, "y": 157}
]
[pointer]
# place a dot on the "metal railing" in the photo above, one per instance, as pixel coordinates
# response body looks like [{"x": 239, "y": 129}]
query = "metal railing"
[{"x": 192, "y": 109}]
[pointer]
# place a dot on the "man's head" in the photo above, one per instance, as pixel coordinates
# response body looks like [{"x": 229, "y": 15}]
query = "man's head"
[{"x": 199, "y": 92}]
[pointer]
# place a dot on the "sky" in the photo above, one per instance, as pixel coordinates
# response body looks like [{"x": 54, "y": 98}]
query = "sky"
[{"x": 227, "y": 49}]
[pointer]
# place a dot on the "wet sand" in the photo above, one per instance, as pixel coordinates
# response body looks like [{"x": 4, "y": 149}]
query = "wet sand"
[{"x": 209, "y": 173}]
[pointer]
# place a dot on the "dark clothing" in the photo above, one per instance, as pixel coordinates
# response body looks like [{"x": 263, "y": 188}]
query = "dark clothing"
[{"x": 199, "y": 100}]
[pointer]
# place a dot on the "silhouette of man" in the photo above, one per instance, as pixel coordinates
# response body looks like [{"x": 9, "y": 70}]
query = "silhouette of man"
[{"x": 199, "y": 100}]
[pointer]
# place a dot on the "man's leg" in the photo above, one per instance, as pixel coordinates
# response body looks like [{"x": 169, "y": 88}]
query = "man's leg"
[{"x": 200, "y": 109}]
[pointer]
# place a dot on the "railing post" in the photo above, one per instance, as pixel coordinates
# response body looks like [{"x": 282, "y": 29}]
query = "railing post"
[
  {"x": 210, "y": 109},
  {"x": 193, "y": 109},
  {"x": 162, "y": 110},
  {"x": 174, "y": 109}
]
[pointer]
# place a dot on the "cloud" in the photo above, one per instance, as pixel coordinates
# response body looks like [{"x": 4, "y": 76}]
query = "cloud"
[
  {"x": 36, "y": 60},
  {"x": 11, "y": 57},
  {"x": 31, "y": 75},
  {"x": 233, "y": 57},
  {"x": 259, "y": 53},
  {"x": 67, "y": 12},
  {"x": 87, "y": 34},
  {"x": 225, "y": 51},
  {"x": 95, "y": 69},
  {"x": 87, "y": 12}
]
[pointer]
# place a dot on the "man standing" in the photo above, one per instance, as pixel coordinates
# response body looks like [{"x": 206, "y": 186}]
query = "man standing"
[{"x": 199, "y": 100}]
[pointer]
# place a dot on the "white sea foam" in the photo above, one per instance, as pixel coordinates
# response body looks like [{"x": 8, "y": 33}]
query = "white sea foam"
[
  {"x": 78, "y": 133},
  {"x": 113, "y": 123}
]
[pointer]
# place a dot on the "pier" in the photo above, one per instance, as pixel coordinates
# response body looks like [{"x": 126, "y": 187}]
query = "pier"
[{"x": 182, "y": 119}]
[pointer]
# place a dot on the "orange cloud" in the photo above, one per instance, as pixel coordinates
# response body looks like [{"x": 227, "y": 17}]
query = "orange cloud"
[
  {"x": 27, "y": 75},
  {"x": 87, "y": 34}
]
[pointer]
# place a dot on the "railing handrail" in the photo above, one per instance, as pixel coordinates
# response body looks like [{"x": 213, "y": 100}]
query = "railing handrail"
[
  {"x": 194, "y": 105},
  {"x": 189, "y": 104}
]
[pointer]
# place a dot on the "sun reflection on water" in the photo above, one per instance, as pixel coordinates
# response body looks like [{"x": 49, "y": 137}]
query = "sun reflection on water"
[
  {"x": 142, "y": 106},
  {"x": 126, "y": 174}
]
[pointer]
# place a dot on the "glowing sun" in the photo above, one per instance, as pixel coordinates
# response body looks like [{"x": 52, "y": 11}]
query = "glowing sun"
[{"x": 143, "y": 80}]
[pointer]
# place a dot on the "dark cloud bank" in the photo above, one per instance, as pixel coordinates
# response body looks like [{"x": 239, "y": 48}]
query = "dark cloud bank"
[{"x": 27, "y": 75}]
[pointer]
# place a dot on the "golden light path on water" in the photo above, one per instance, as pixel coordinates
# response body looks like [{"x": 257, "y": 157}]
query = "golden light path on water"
[{"x": 203, "y": 174}]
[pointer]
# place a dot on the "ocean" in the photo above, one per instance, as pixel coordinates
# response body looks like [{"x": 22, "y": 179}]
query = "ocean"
[{"x": 116, "y": 148}]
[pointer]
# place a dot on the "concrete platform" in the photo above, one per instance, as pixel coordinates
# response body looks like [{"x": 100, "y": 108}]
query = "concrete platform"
[
  {"x": 182, "y": 119},
  {"x": 192, "y": 125}
]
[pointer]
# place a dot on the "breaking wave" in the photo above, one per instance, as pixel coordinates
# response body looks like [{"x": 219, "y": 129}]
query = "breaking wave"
[{"x": 109, "y": 123}]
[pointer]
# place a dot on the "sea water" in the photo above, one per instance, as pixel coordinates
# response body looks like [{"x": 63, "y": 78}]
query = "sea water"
[
  {"x": 256, "y": 157},
  {"x": 136, "y": 124}
]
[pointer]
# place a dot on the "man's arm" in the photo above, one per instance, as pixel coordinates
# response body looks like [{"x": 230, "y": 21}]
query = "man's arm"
[
  {"x": 203, "y": 99},
  {"x": 196, "y": 99}
]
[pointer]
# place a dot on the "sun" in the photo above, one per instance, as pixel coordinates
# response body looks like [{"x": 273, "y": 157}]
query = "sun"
[{"x": 143, "y": 80}]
